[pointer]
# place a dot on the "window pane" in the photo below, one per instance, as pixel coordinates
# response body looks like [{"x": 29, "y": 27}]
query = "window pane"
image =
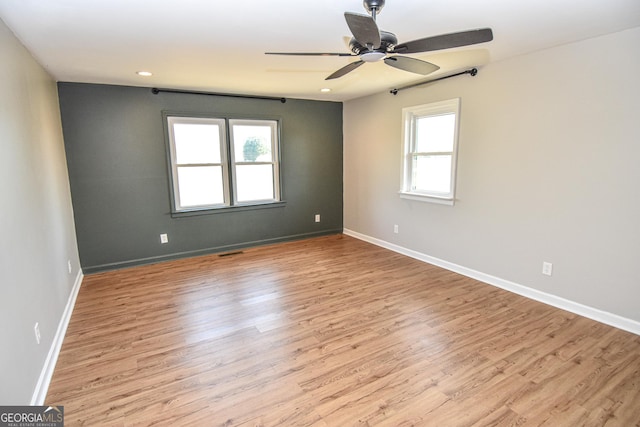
[
  {"x": 254, "y": 182},
  {"x": 200, "y": 185},
  {"x": 252, "y": 143},
  {"x": 435, "y": 133},
  {"x": 432, "y": 174},
  {"x": 197, "y": 143}
]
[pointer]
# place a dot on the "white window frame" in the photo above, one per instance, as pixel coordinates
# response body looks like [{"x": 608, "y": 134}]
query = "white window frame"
[
  {"x": 173, "y": 120},
  {"x": 227, "y": 160},
  {"x": 409, "y": 117},
  {"x": 274, "y": 158}
]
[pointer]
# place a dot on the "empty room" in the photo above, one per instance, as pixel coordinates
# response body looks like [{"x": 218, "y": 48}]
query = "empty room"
[{"x": 335, "y": 213}]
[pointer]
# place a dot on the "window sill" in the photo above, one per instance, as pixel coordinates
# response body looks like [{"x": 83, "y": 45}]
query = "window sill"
[
  {"x": 425, "y": 198},
  {"x": 227, "y": 209}
]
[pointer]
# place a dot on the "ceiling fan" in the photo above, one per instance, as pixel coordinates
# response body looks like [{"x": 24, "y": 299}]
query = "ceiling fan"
[{"x": 371, "y": 44}]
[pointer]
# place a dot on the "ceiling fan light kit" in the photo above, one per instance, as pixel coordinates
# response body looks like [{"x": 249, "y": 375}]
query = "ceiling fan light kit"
[
  {"x": 372, "y": 45},
  {"x": 372, "y": 56}
]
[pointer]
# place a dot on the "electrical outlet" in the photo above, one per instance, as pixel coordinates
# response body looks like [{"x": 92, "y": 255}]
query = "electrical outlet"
[
  {"x": 395, "y": 228},
  {"x": 69, "y": 265},
  {"x": 36, "y": 329},
  {"x": 317, "y": 217},
  {"x": 164, "y": 238},
  {"x": 547, "y": 268}
]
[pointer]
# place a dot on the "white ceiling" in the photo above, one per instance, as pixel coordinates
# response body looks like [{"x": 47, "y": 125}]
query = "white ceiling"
[{"x": 218, "y": 46}]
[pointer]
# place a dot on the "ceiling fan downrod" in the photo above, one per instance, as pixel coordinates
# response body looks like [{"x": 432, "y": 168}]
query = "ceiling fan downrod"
[{"x": 373, "y": 7}]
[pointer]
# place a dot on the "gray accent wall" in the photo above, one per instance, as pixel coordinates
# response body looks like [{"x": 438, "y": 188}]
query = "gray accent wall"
[
  {"x": 117, "y": 157},
  {"x": 547, "y": 171},
  {"x": 36, "y": 219}
]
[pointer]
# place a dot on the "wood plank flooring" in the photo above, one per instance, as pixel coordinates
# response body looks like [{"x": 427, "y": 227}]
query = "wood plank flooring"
[{"x": 331, "y": 332}]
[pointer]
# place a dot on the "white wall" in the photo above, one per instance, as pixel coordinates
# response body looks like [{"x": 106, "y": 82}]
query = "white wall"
[
  {"x": 548, "y": 170},
  {"x": 38, "y": 235}
]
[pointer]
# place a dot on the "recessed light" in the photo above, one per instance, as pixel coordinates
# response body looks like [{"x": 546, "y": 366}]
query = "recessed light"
[
  {"x": 325, "y": 89},
  {"x": 145, "y": 73}
]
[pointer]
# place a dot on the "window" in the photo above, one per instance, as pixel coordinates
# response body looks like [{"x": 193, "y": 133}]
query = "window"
[
  {"x": 430, "y": 137},
  {"x": 254, "y": 160},
  {"x": 218, "y": 162}
]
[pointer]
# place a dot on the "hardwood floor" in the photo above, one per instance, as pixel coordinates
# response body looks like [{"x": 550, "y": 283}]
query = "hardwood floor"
[{"x": 333, "y": 331}]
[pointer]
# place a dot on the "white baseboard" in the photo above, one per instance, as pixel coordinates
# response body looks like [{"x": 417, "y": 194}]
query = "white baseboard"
[
  {"x": 40, "y": 393},
  {"x": 598, "y": 315}
]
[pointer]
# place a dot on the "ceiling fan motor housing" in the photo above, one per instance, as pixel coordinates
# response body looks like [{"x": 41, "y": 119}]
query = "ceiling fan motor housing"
[{"x": 387, "y": 43}]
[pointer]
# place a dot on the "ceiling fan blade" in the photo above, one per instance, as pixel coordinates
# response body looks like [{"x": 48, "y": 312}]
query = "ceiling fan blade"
[
  {"x": 310, "y": 53},
  {"x": 445, "y": 41},
  {"x": 364, "y": 29},
  {"x": 344, "y": 70},
  {"x": 411, "y": 65}
]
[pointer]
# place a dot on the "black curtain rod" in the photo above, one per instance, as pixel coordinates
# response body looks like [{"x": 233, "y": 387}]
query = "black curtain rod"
[
  {"x": 472, "y": 71},
  {"x": 156, "y": 91}
]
